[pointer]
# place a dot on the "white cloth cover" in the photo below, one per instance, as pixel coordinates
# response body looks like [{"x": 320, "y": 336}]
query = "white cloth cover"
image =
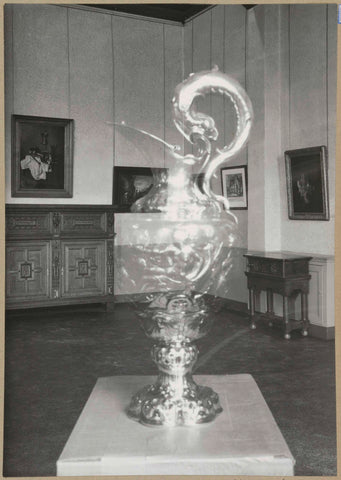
[
  {"x": 37, "y": 168},
  {"x": 243, "y": 440}
]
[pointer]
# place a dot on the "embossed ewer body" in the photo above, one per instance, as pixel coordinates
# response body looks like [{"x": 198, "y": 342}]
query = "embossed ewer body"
[{"x": 180, "y": 252}]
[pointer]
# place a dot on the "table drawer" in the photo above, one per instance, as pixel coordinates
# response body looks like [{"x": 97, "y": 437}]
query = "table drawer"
[
  {"x": 296, "y": 267},
  {"x": 266, "y": 266}
]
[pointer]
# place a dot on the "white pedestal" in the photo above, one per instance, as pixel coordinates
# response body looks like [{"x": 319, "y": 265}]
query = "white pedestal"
[{"x": 243, "y": 440}]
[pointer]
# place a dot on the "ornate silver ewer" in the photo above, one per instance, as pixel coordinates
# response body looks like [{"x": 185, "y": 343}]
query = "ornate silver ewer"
[{"x": 180, "y": 252}]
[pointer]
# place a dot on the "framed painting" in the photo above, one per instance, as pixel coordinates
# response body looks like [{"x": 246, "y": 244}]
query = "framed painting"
[
  {"x": 42, "y": 157},
  {"x": 307, "y": 183},
  {"x": 130, "y": 184},
  {"x": 234, "y": 186}
]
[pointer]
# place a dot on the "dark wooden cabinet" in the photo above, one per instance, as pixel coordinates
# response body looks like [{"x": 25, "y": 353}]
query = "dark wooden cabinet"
[
  {"x": 282, "y": 273},
  {"x": 59, "y": 255}
]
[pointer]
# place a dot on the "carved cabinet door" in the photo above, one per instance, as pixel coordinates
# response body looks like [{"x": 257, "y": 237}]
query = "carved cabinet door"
[
  {"x": 83, "y": 271},
  {"x": 27, "y": 271}
]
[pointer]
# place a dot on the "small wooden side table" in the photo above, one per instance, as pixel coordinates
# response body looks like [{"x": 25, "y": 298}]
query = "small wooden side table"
[{"x": 282, "y": 273}]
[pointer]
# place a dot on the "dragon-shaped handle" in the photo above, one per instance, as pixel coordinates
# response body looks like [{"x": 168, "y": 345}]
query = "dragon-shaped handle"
[{"x": 199, "y": 128}]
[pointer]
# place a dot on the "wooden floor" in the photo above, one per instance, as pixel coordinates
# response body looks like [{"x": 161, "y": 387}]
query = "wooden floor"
[{"x": 54, "y": 357}]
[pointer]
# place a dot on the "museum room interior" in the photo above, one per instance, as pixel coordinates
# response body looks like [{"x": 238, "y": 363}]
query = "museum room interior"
[{"x": 92, "y": 66}]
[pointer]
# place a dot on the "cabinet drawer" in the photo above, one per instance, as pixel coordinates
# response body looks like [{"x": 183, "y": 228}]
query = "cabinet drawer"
[
  {"x": 83, "y": 224},
  {"x": 27, "y": 273},
  {"x": 27, "y": 224}
]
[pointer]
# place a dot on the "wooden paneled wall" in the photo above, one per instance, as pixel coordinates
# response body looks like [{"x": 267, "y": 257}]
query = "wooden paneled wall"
[
  {"x": 99, "y": 68},
  {"x": 291, "y": 72},
  {"x": 285, "y": 56},
  {"x": 311, "y": 112},
  {"x": 96, "y": 68},
  {"x": 217, "y": 37},
  {"x": 291, "y": 80}
]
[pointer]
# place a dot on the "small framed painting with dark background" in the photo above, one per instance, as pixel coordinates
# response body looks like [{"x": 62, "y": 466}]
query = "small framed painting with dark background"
[
  {"x": 234, "y": 186},
  {"x": 132, "y": 183},
  {"x": 42, "y": 157},
  {"x": 307, "y": 183}
]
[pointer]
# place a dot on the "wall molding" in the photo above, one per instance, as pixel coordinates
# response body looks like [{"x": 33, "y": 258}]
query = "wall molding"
[{"x": 325, "y": 333}]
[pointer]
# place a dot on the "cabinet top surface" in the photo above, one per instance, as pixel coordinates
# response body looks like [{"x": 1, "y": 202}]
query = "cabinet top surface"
[
  {"x": 277, "y": 255},
  {"x": 16, "y": 207}
]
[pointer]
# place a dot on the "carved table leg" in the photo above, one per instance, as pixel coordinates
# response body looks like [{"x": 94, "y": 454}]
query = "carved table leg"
[
  {"x": 252, "y": 307},
  {"x": 269, "y": 305},
  {"x": 304, "y": 313},
  {"x": 287, "y": 335}
]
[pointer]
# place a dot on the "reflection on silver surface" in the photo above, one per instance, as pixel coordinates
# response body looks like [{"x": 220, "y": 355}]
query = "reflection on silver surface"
[{"x": 180, "y": 251}]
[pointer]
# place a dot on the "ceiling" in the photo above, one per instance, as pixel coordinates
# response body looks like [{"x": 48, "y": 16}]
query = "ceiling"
[{"x": 178, "y": 12}]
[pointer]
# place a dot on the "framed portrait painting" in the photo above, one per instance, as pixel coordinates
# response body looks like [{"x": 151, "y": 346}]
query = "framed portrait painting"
[
  {"x": 307, "y": 183},
  {"x": 234, "y": 186},
  {"x": 42, "y": 157}
]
